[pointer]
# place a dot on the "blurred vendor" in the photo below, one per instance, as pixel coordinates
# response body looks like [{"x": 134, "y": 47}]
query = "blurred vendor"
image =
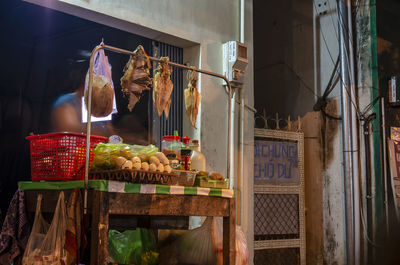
[{"x": 66, "y": 115}]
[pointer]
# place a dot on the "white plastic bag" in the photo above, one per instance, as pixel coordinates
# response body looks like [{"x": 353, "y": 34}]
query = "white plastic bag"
[
  {"x": 217, "y": 232},
  {"x": 46, "y": 243},
  {"x": 242, "y": 252},
  {"x": 196, "y": 246},
  {"x": 103, "y": 99}
]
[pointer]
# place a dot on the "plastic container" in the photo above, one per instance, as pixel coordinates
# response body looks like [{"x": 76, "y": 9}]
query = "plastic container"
[
  {"x": 207, "y": 183},
  {"x": 185, "y": 177},
  {"x": 198, "y": 160},
  {"x": 60, "y": 156},
  {"x": 171, "y": 147}
]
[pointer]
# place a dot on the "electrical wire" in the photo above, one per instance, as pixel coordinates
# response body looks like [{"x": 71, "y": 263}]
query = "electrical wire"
[
  {"x": 332, "y": 81},
  {"x": 294, "y": 73},
  {"x": 330, "y": 87},
  {"x": 321, "y": 103},
  {"x": 365, "y": 228},
  {"x": 335, "y": 81},
  {"x": 369, "y": 196},
  {"x": 346, "y": 87},
  {"x": 357, "y": 5},
  {"x": 300, "y": 79},
  {"x": 350, "y": 34},
  {"x": 323, "y": 36},
  {"x": 370, "y": 106},
  {"x": 333, "y": 24},
  {"x": 335, "y": 77},
  {"x": 346, "y": 30}
]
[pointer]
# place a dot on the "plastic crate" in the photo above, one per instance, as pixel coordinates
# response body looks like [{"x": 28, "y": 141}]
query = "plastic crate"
[{"x": 60, "y": 156}]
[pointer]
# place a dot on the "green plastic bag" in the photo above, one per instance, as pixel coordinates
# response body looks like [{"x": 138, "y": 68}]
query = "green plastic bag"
[
  {"x": 144, "y": 151},
  {"x": 137, "y": 247},
  {"x": 106, "y": 153}
]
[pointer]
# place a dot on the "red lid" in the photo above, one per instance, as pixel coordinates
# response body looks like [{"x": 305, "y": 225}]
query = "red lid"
[
  {"x": 186, "y": 140},
  {"x": 171, "y": 138}
]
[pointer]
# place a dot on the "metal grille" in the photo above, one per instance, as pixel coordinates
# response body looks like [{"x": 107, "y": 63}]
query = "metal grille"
[
  {"x": 276, "y": 216},
  {"x": 162, "y": 126},
  {"x": 280, "y": 256}
]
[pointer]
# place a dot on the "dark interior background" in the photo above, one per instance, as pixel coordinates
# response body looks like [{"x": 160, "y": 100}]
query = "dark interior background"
[{"x": 38, "y": 49}]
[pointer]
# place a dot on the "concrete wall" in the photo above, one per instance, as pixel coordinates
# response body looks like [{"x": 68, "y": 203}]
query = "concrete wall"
[{"x": 326, "y": 53}]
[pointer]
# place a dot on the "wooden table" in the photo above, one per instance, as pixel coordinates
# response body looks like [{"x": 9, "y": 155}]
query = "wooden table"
[{"x": 103, "y": 205}]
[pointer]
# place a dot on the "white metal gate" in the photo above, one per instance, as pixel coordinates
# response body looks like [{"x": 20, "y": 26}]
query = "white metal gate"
[{"x": 279, "y": 216}]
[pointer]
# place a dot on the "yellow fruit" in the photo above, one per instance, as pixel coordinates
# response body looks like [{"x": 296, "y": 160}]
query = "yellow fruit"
[{"x": 119, "y": 161}]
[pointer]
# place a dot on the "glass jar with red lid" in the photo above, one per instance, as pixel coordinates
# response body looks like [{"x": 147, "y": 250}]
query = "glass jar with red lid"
[{"x": 171, "y": 147}]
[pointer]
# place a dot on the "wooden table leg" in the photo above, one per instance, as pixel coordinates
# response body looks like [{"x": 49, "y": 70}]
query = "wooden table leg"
[
  {"x": 98, "y": 248},
  {"x": 229, "y": 235}
]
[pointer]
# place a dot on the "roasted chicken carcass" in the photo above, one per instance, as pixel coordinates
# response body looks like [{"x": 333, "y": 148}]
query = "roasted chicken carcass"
[
  {"x": 136, "y": 76},
  {"x": 163, "y": 87},
  {"x": 192, "y": 99}
]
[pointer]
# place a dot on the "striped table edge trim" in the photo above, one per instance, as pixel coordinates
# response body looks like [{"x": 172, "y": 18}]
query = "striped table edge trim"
[{"x": 126, "y": 187}]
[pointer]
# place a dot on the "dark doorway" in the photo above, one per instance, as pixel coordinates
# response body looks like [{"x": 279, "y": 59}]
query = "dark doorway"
[{"x": 40, "y": 47}]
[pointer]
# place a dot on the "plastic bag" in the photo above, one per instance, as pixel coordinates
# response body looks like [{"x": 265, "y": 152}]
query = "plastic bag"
[
  {"x": 242, "y": 252},
  {"x": 133, "y": 247},
  {"x": 217, "y": 233},
  {"x": 196, "y": 246},
  {"x": 105, "y": 154},
  {"x": 144, "y": 151},
  {"x": 103, "y": 100},
  {"x": 46, "y": 243}
]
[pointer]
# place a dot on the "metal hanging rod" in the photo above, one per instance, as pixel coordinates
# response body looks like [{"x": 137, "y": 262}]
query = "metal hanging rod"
[
  {"x": 89, "y": 105},
  {"x": 118, "y": 50}
]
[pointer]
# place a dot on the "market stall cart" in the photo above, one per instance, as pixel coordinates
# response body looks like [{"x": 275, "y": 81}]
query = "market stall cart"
[{"x": 108, "y": 199}]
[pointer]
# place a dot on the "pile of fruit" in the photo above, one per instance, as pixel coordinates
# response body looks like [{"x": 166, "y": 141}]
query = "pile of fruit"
[{"x": 124, "y": 156}]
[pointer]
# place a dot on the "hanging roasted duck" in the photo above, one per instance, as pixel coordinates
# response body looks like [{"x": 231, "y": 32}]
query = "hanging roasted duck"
[
  {"x": 163, "y": 87},
  {"x": 136, "y": 76},
  {"x": 192, "y": 99}
]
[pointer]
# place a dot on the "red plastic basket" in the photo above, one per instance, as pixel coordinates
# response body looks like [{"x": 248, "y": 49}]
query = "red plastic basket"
[{"x": 60, "y": 156}]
